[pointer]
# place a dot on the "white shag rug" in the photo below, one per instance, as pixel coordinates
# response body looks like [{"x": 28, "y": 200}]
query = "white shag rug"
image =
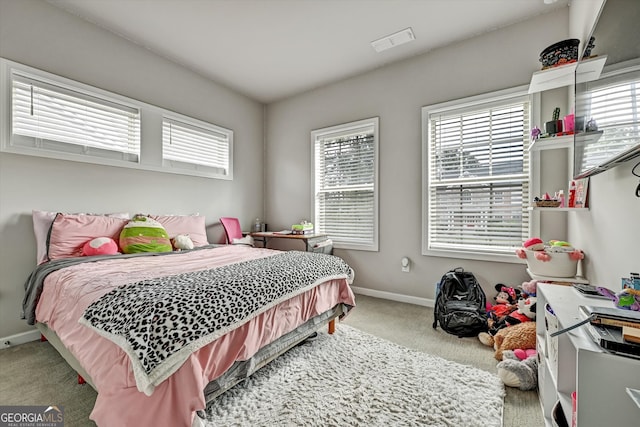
[{"x": 353, "y": 378}]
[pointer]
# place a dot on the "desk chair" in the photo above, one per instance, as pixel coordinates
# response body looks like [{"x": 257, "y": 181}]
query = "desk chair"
[{"x": 232, "y": 228}]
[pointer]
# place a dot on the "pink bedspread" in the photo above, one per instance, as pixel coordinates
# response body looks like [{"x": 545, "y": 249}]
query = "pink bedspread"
[{"x": 68, "y": 292}]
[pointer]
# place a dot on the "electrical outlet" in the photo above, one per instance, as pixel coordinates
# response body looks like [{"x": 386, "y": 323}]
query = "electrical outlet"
[{"x": 406, "y": 264}]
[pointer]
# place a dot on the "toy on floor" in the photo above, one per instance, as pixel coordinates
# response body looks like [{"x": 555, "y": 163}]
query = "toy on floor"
[
  {"x": 502, "y": 316},
  {"x": 530, "y": 288},
  {"x": 505, "y": 305},
  {"x": 519, "y": 369},
  {"x": 522, "y": 335},
  {"x": 526, "y": 311}
]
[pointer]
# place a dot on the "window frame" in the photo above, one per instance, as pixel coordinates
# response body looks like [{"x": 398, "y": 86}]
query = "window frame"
[
  {"x": 470, "y": 103},
  {"x": 150, "y": 157},
  {"x": 345, "y": 129},
  {"x": 200, "y": 126}
]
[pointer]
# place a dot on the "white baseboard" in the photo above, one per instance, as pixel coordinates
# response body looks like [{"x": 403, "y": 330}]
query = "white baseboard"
[
  {"x": 426, "y": 302},
  {"x": 24, "y": 337}
]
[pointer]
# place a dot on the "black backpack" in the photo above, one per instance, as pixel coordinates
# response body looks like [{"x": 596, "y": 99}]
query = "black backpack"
[{"x": 460, "y": 304}]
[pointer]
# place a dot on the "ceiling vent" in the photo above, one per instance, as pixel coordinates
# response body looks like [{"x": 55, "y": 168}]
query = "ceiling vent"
[{"x": 393, "y": 40}]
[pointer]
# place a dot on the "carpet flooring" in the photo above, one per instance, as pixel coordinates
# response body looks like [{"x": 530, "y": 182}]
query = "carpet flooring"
[{"x": 34, "y": 373}]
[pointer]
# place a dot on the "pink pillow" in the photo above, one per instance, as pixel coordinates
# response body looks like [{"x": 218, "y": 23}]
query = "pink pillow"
[
  {"x": 42, "y": 221},
  {"x": 193, "y": 225},
  {"x": 70, "y": 232},
  {"x": 100, "y": 246}
]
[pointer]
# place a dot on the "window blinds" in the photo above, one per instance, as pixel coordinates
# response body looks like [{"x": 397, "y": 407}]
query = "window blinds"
[
  {"x": 198, "y": 146},
  {"x": 613, "y": 103},
  {"x": 54, "y": 117},
  {"x": 478, "y": 170},
  {"x": 345, "y": 181}
]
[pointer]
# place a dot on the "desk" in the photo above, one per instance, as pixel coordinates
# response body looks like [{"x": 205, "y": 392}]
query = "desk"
[{"x": 309, "y": 240}]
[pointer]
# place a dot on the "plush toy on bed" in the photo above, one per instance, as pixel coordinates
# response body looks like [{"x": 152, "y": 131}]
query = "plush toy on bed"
[
  {"x": 182, "y": 242},
  {"x": 143, "y": 234},
  {"x": 100, "y": 246},
  {"x": 519, "y": 369},
  {"x": 522, "y": 335}
]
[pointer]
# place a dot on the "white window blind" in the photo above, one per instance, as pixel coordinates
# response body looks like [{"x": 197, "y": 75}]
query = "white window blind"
[
  {"x": 200, "y": 146},
  {"x": 57, "y": 118},
  {"x": 345, "y": 184},
  {"x": 478, "y": 177},
  {"x": 613, "y": 103}
]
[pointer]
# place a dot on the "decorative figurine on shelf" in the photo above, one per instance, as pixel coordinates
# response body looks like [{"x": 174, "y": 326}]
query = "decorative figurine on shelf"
[
  {"x": 592, "y": 126},
  {"x": 535, "y": 133},
  {"x": 589, "y": 48}
]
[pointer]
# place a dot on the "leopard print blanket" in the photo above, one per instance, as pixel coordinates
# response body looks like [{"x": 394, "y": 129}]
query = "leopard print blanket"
[{"x": 160, "y": 322}]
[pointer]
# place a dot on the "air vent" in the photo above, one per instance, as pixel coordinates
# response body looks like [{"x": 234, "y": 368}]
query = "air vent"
[{"x": 393, "y": 40}]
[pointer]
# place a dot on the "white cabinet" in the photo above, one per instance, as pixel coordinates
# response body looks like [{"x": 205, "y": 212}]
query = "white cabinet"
[{"x": 606, "y": 384}]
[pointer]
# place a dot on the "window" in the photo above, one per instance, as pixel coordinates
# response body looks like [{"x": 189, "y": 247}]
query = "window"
[
  {"x": 345, "y": 184},
  {"x": 613, "y": 103},
  {"x": 50, "y": 116},
  {"x": 194, "y": 145},
  {"x": 476, "y": 176}
]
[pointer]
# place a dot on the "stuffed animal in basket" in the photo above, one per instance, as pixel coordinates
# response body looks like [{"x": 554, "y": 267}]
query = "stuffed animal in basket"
[
  {"x": 519, "y": 368},
  {"x": 522, "y": 335}
]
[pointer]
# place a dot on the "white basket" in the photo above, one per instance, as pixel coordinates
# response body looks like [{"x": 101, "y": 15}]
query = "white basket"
[{"x": 560, "y": 265}]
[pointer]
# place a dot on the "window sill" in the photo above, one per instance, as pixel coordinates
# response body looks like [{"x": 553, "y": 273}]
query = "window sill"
[{"x": 488, "y": 256}]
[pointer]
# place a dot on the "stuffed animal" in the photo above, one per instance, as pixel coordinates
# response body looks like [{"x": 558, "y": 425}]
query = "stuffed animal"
[
  {"x": 506, "y": 294},
  {"x": 526, "y": 311},
  {"x": 100, "y": 246},
  {"x": 504, "y": 315},
  {"x": 182, "y": 242},
  {"x": 519, "y": 368},
  {"x": 522, "y": 335},
  {"x": 530, "y": 288}
]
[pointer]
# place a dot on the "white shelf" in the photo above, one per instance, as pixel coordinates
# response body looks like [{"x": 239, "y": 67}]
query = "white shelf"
[
  {"x": 565, "y": 75},
  {"x": 590, "y": 69},
  {"x": 576, "y": 279},
  {"x": 552, "y": 142},
  {"x": 536, "y": 208}
]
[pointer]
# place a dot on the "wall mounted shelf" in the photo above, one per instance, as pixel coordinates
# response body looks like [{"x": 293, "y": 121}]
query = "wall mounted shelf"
[
  {"x": 552, "y": 142},
  {"x": 536, "y": 208},
  {"x": 565, "y": 75},
  {"x": 576, "y": 279}
]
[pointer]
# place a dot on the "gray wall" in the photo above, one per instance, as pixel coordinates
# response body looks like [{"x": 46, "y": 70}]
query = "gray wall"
[
  {"x": 395, "y": 93},
  {"x": 42, "y": 36}
]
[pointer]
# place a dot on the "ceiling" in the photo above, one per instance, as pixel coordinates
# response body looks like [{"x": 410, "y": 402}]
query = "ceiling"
[{"x": 272, "y": 49}]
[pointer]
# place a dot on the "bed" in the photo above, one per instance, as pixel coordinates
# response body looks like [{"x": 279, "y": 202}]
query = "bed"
[{"x": 159, "y": 335}]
